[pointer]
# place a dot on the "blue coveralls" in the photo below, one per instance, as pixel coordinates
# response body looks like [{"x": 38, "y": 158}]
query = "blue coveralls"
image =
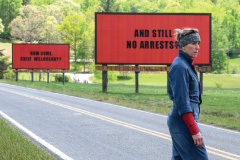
[{"x": 183, "y": 88}]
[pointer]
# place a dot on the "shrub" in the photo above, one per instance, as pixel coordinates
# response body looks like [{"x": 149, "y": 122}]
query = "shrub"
[
  {"x": 112, "y": 75},
  {"x": 124, "y": 77},
  {"x": 59, "y": 78},
  {"x": 9, "y": 75},
  {"x": 218, "y": 85},
  {"x": 76, "y": 67},
  {"x": 234, "y": 69}
]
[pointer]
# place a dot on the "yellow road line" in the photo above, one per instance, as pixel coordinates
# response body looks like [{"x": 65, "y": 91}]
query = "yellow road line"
[
  {"x": 128, "y": 125},
  {"x": 218, "y": 150},
  {"x": 221, "y": 155}
]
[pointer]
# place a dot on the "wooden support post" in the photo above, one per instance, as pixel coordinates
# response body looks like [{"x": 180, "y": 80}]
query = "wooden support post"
[
  {"x": 16, "y": 74},
  {"x": 63, "y": 77},
  {"x": 167, "y": 79},
  {"x": 32, "y": 75},
  {"x": 201, "y": 80},
  {"x": 104, "y": 80},
  {"x": 136, "y": 81},
  {"x": 47, "y": 76},
  {"x": 40, "y": 75}
]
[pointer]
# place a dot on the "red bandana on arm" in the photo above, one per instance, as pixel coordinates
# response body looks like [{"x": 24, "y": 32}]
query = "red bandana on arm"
[{"x": 189, "y": 120}]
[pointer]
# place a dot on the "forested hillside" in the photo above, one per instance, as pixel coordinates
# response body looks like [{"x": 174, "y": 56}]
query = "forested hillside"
[{"x": 72, "y": 21}]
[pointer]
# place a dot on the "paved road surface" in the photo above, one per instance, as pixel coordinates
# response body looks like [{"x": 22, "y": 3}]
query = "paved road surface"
[{"x": 90, "y": 130}]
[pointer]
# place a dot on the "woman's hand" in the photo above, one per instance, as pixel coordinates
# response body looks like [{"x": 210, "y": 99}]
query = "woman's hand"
[{"x": 198, "y": 139}]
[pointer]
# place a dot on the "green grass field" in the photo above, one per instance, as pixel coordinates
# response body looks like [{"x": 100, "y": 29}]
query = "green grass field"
[
  {"x": 227, "y": 81},
  {"x": 234, "y": 65},
  {"x": 14, "y": 146}
]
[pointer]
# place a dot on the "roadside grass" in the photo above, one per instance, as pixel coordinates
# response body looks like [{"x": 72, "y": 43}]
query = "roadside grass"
[
  {"x": 227, "y": 81},
  {"x": 27, "y": 76},
  {"x": 14, "y": 145},
  {"x": 221, "y": 105},
  {"x": 234, "y": 65}
]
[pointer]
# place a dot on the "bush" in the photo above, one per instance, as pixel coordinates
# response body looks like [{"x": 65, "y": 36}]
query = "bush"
[
  {"x": 4, "y": 64},
  {"x": 124, "y": 77},
  {"x": 9, "y": 75},
  {"x": 218, "y": 85},
  {"x": 233, "y": 53},
  {"x": 76, "y": 67},
  {"x": 234, "y": 69},
  {"x": 59, "y": 78},
  {"x": 112, "y": 75}
]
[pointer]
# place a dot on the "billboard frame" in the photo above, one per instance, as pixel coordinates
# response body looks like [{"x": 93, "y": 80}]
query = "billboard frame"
[
  {"x": 44, "y": 44},
  {"x": 168, "y": 64}
]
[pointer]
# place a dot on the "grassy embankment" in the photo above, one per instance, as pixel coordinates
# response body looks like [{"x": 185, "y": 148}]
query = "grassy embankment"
[{"x": 14, "y": 146}]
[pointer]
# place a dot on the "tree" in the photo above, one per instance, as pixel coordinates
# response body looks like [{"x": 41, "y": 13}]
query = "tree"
[
  {"x": 4, "y": 64},
  {"x": 1, "y": 26},
  {"x": 52, "y": 10},
  {"x": 110, "y": 5},
  {"x": 49, "y": 34},
  {"x": 86, "y": 4},
  {"x": 42, "y": 2},
  {"x": 9, "y": 9},
  {"x": 26, "y": 2},
  {"x": 86, "y": 46},
  {"x": 28, "y": 26},
  {"x": 68, "y": 7},
  {"x": 72, "y": 29}
]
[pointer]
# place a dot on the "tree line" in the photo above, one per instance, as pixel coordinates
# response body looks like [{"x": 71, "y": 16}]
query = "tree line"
[{"x": 72, "y": 21}]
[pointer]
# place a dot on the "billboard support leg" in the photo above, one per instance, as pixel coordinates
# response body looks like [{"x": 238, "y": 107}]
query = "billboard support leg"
[
  {"x": 201, "y": 80},
  {"x": 63, "y": 77},
  {"x": 32, "y": 75},
  {"x": 16, "y": 74},
  {"x": 167, "y": 82},
  {"x": 167, "y": 77},
  {"x": 47, "y": 76},
  {"x": 136, "y": 81},
  {"x": 104, "y": 80}
]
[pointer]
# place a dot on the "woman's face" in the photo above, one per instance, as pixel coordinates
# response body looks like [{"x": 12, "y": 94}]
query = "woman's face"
[{"x": 191, "y": 49}]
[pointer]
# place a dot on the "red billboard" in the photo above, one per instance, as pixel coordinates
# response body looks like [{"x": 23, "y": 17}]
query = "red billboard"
[
  {"x": 40, "y": 56},
  {"x": 141, "y": 38}
]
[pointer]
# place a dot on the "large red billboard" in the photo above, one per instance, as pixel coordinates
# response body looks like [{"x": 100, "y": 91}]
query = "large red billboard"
[
  {"x": 141, "y": 38},
  {"x": 40, "y": 56}
]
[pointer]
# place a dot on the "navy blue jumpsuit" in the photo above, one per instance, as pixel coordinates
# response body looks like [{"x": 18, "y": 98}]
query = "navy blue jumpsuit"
[{"x": 183, "y": 88}]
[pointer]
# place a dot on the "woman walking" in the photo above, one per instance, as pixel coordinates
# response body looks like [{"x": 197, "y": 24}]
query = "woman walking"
[{"x": 183, "y": 88}]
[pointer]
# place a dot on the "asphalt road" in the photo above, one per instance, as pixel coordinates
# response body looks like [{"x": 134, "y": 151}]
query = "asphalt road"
[{"x": 90, "y": 130}]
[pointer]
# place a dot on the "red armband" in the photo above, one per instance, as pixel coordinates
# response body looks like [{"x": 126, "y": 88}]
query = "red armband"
[{"x": 189, "y": 120}]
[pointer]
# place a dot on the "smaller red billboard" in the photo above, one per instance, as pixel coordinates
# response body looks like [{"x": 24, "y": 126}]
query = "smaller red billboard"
[{"x": 40, "y": 56}]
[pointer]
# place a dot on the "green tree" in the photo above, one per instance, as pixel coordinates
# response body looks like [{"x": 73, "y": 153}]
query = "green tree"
[
  {"x": 1, "y": 26},
  {"x": 86, "y": 4},
  {"x": 26, "y": 2},
  {"x": 4, "y": 64},
  {"x": 9, "y": 9},
  {"x": 86, "y": 45},
  {"x": 110, "y": 5},
  {"x": 68, "y": 7},
  {"x": 52, "y": 10},
  {"x": 42, "y": 2},
  {"x": 49, "y": 34},
  {"x": 231, "y": 22},
  {"x": 72, "y": 29},
  {"x": 28, "y": 26}
]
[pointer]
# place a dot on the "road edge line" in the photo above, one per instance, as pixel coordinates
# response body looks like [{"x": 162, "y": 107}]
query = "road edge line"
[{"x": 51, "y": 149}]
